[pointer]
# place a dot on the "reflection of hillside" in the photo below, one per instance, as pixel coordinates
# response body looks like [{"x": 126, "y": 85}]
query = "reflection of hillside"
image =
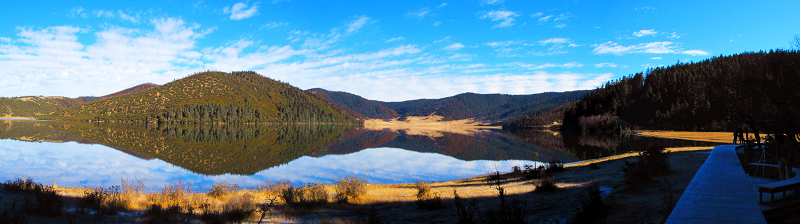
[
  {"x": 33, "y": 131},
  {"x": 212, "y": 149},
  {"x": 45, "y": 131},
  {"x": 490, "y": 145},
  {"x": 595, "y": 146}
]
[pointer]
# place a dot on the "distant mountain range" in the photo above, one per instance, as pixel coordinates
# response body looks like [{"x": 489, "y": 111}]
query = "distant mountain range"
[
  {"x": 492, "y": 108},
  {"x": 247, "y": 97}
]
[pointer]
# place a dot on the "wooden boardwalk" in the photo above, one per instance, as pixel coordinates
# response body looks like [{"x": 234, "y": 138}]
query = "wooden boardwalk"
[{"x": 719, "y": 193}]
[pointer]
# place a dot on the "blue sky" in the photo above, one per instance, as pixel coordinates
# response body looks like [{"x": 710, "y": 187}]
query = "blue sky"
[{"x": 388, "y": 51}]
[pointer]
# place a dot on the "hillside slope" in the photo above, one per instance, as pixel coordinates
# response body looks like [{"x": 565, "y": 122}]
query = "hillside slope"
[
  {"x": 135, "y": 89},
  {"x": 722, "y": 93},
  {"x": 491, "y": 108},
  {"x": 33, "y": 106},
  {"x": 356, "y": 105},
  {"x": 212, "y": 97}
]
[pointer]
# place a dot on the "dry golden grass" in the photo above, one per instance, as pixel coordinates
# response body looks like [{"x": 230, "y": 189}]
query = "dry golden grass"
[
  {"x": 431, "y": 125},
  {"x": 719, "y": 137}
]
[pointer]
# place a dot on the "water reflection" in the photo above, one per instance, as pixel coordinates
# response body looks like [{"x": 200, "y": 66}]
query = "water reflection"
[{"x": 100, "y": 154}]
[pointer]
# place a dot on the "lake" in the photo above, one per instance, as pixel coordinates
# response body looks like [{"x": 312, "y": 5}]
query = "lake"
[{"x": 83, "y": 154}]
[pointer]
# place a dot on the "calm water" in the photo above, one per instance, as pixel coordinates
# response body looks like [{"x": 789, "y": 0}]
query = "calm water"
[{"x": 101, "y": 154}]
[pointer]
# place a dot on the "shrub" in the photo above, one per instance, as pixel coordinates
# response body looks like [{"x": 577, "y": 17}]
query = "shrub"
[
  {"x": 516, "y": 169},
  {"x": 514, "y": 213},
  {"x": 222, "y": 188},
  {"x": 592, "y": 209},
  {"x": 464, "y": 212},
  {"x": 531, "y": 173},
  {"x": 238, "y": 208},
  {"x": 20, "y": 185},
  {"x": 545, "y": 184},
  {"x": 650, "y": 163},
  {"x": 157, "y": 214},
  {"x": 425, "y": 198},
  {"x": 350, "y": 188},
  {"x": 46, "y": 202},
  {"x": 555, "y": 166},
  {"x": 304, "y": 196},
  {"x": 104, "y": 201},
  {"x": 132, "y": 186}
]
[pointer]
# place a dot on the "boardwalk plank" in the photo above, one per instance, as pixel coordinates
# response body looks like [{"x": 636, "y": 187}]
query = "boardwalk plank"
[{"x": 718, "y": 193}]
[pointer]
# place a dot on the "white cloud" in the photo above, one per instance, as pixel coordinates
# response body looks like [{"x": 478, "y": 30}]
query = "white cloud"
[
  {"x": 663, "y": 47},
  {"x": 645, "y": 8},
  {"x": 240, "y": 11},
  {"x": 506, "y": 18},
  {"x": 673, "y": 35},
  {"x": 503, "y": 43},
  {"x": 442, "y": 5},
  {"x": 53, "y": 61},
  {"x": 642, "y": 33},
  {"x": 656, "y": 58},
  {"x": 437, "y": 23},
  {"x": 554, "y": 41},
  {"x": 79, "y": 11},
  {"x": 454, "y": 47},
  {"x": 605, "y": 65},
  {"x": 492, "y": 2},
  {"x": 395, "y": 39},
  {"x": 359, "y": 22},
  {"x": 538, "y": 14},
  {"x": 419, "y": 13},
  {"x": 695, "y": 52},
  {"x": 545, "y": 18},
  {"x": 272, "y": 25}
]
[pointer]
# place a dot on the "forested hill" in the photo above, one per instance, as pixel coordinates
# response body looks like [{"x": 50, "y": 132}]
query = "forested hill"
[
  {"x": 32, "y": 106},
  {"x": 212, "y": 97},
  {"x": 491, "y": 108},
  {"x": 137, "y": 88},
  {"x": 760, "y": 89},
  {"x": 355, "y": 105}
]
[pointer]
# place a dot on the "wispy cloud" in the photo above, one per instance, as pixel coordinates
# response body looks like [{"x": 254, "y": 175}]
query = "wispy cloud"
[
  {"x": 78, "y": 11},
  {"x": 663, "y": 47},
  {"x": 555, "y": 21},
  {"x": 605, "y": 65},
  {"x": 272, "y": 25},
  {"x": 506, "y": 18},
  {"x": 113, "y": 15},
  {"x": 492, "y": 2},
  {"x": 395, "y": 39},
  {"x": 419, "y": 13},
  {"x": 359, "y": 22},
  {"x": 454, "y": 47},
  {"x": 240, "y": 11},
  {"x": 695, "y": 52},
  {"x": 642, "y": 33},
  {"x": 554, "y": 41},
  {"x": 656, "y": 58}
]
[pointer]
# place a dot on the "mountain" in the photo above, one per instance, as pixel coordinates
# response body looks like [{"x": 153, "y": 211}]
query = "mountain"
[
  {"x": 33, "y": 106},
  {"x": 355, "y": 105},
  {"x": 137, "y": 88},
  {"x": 211, "y": 97},
  {"x": 491, "y": 108},
  {"x": 543, "y": 118},
  {"x": 759, "y": 89}
]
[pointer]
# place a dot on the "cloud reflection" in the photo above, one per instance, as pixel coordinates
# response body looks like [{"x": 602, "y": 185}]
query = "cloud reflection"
[{"x": 82, "y": 165}]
